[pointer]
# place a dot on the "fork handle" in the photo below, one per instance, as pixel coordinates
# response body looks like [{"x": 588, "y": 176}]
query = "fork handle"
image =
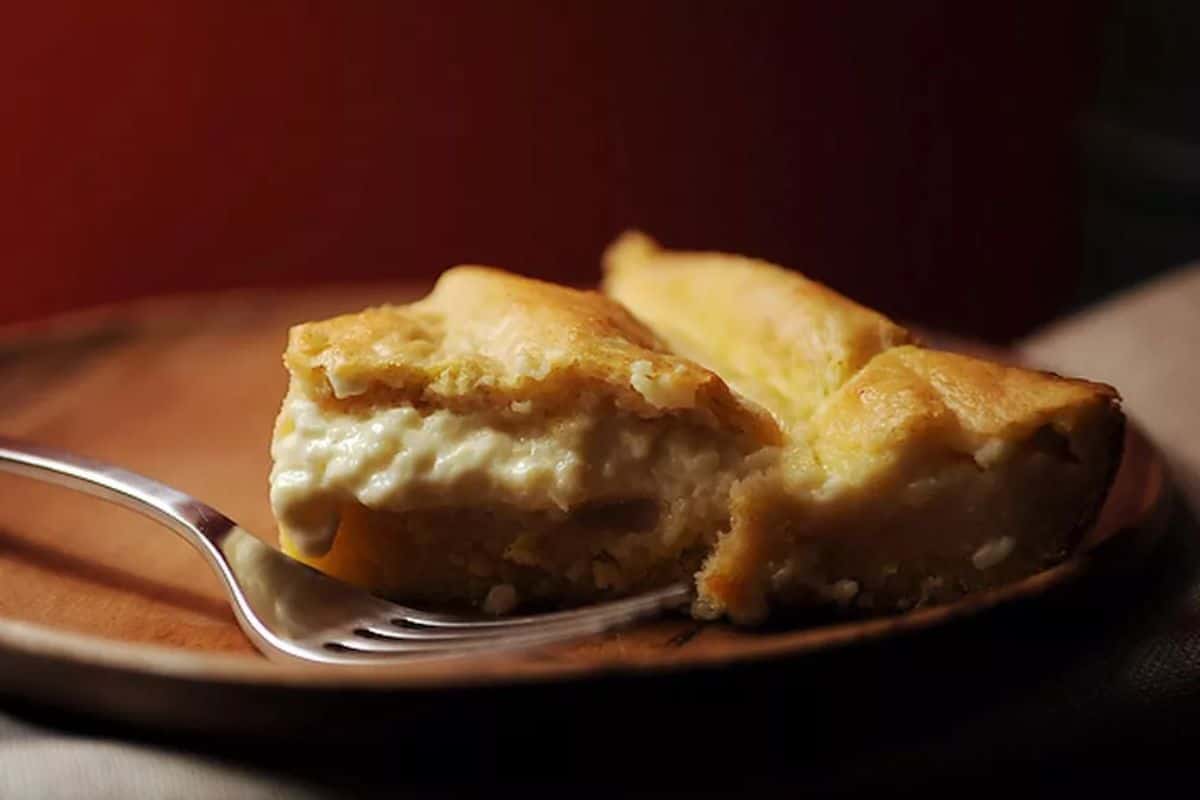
[
  {"x": 201, "y": 525},
  {"x": 250, "y": 570}
]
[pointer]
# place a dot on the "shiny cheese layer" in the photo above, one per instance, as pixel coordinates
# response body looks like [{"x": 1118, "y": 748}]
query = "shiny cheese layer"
[{"x": 402, "y": 458}]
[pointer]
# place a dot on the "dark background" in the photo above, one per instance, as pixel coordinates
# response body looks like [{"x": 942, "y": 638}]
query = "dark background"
[{"x": 978, "y": 167}]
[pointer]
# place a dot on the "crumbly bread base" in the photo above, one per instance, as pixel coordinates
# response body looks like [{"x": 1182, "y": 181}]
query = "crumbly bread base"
[
  {"x": 910, "y": 535},
  {"x": 461, "y": 557}
]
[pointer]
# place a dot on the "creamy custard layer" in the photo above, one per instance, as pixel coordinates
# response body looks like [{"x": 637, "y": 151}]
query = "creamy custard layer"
[{"x": 404, "y": 459}]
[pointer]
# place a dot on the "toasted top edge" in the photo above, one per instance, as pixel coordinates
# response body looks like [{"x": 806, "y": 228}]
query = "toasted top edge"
[
  {"x": 911, "y": 399},
  {"x": 781, "y": 339},
  {"x": 487, "y": 339}
]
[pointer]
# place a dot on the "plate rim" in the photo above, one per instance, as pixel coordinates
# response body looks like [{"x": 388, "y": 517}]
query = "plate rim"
[
  {"x": 85, "y": 650},
  {"x": 19, "y": 639}
]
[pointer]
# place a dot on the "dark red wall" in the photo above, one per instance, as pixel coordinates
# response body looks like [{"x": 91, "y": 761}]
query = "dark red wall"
[{"x": 914, "y": 155}]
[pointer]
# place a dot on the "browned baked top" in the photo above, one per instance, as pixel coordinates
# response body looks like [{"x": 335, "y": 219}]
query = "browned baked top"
[{"x": 485, "y": 339}]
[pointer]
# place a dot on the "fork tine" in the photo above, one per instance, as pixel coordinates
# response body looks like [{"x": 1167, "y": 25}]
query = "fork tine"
[
  {"x": 372, "y": 646},
  {"x": 359, "y": 644},
  {"x": 375, "y": 639},
  {"x": 463, "y": 633},
  {"x": 657, "y": 600}
]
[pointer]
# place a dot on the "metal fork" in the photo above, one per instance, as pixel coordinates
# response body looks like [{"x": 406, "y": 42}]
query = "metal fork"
[{"x": 293, "y": 612}]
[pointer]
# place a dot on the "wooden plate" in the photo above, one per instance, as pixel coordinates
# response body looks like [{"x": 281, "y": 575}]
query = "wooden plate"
[{"x": 104, "y": 612}]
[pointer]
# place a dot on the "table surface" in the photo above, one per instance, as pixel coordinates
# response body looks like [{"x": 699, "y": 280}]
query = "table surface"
[{"x": 1099, "y": 687}]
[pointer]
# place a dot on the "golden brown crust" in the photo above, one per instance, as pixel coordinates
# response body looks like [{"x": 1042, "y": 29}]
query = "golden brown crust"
[
  {"x": 910, "y": 399},
  {"x": 900, "y": 462},
  {"x": 778, "y": 337},
  {"x": 485, "y": 339},
  {"x": 919, "y": 460}
]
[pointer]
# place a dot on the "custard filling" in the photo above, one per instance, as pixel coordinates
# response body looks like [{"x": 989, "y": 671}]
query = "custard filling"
[{"x": 401, "y": 459}]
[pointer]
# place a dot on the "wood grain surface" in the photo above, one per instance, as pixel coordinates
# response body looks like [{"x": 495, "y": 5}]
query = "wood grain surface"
[{"x": 185, "y": 390}]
